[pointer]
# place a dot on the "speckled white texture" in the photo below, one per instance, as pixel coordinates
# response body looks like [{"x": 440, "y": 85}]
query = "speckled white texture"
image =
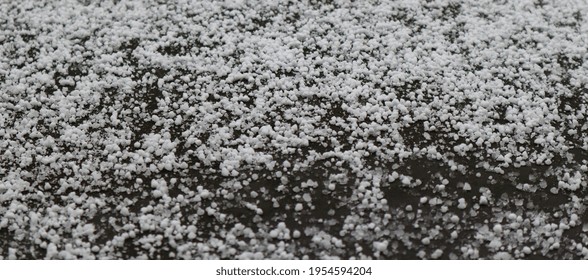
[{"x": 293, "y": 129}]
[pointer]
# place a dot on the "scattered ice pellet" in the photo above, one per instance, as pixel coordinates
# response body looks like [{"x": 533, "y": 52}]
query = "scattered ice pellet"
[
  {"x": 461, "y": 203},
  {"x": 298, "y": 207},
  {"x": 497, "y": 228},
  {"x": 437, "y": 254}
]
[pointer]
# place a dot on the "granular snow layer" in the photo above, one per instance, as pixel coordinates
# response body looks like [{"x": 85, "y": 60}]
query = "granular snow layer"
[{"x": 293, "y": 129}]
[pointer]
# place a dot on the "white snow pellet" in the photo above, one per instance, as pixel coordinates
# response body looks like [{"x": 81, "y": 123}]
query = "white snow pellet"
[
  {"x": 426, "y": 241},
  {"x": 461, "y": 203},
  {"x": 298, "y": 207},
  {"x": 497, "y": 228},
  {"x": 437, "y": 254}
]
